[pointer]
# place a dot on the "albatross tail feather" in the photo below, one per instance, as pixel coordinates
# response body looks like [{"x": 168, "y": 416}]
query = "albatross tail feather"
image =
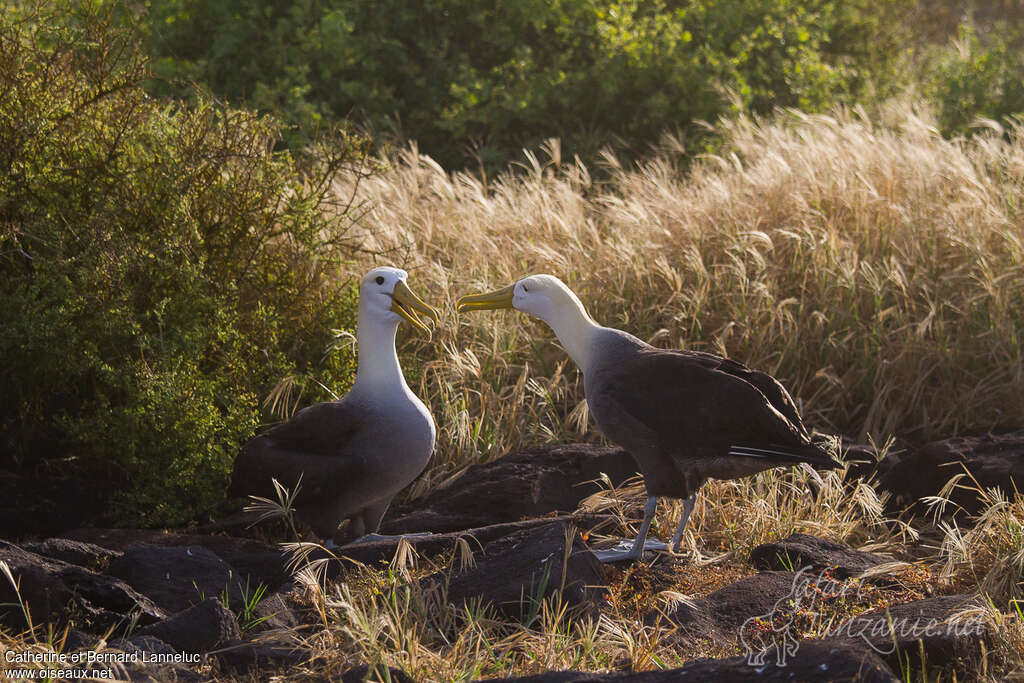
[{"x": 811, "y": 454}]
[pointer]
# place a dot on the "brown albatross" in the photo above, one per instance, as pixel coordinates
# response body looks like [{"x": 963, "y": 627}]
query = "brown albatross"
[
  {"x": 685, "y": 416},
  {"x": 355, "y": 454}
]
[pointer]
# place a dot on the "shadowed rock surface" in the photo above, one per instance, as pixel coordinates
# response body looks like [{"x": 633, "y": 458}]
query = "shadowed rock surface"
[
  {"x": 515, "y": 569},
  {"x": 75, "y": 552},
  {"x": 197, "y": 629},
  {"x": 370, "y": 552},
  {"x": 255, "y": 560},
  {"x": 720, "y": 615},
  {"x": 360, "y": 674},
  {"x": 528, "y": 483},
  {"x": 177, "y": 577},
  {"x": 993, "y": 460},
  {"x": 803, "y": 550},
  {"x": 813, "y": 661},
  {"x": 243, "y": 656},
  {"x": 936, "y": 623},
  {"x": 54, "y": 589}
]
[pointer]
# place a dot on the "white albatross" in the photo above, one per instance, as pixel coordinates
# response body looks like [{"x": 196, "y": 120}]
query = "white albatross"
[
  {"x": 684, "y": 416},
  {"x": 355, "y": 454}
]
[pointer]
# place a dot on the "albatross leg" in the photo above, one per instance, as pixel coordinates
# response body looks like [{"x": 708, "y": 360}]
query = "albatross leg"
[
  {"x": 632, "y": 550},
  {"x": 677, "y": 537}
]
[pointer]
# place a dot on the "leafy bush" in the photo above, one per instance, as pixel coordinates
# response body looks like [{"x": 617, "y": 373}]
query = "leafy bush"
[
  {"x": 496, "y": 76},
  {"x": 162, "y": 267},
  {"x": 979, "y": 76}
]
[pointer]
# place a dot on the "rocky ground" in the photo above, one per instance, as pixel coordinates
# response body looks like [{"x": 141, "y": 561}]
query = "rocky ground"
[{"x": 216, "y": 593}]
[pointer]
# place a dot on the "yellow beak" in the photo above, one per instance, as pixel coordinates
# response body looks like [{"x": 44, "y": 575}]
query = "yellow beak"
[
  {"x": 501, "y": 298},
  {"x": 404, "y": 301}
]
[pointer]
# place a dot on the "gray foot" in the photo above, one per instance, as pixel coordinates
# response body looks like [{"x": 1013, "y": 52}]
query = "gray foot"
[{"x": 623, "y": 550}]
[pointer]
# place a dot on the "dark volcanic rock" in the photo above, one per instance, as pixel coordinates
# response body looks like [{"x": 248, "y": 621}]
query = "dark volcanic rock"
[
  {"x": 275, "y": 611},
  {"x": 75, "y": 552},
  {"x": 162, "y": 673},
  {"x": 812, "y": 661},
  {"x": 140, "y": 644},
  {"x": 369, "y": 552},
  {"x": 258, "y": 562},
  {"x": 993, "y": 460},
  {"x": 515, "y": 569},
  {"x": 525, "y": 484},
  {"x": 58, "y": 591},
  {"x": 197, "y": 629},
  {"x": 895, "y": 633},
  {"x": 721, "y": 615},
  {"x": 362, "y": 673},
  {"x": 177, "y": 577},
  {"x": 246, "y": 655},
  {"x": 802, "y": 550}
]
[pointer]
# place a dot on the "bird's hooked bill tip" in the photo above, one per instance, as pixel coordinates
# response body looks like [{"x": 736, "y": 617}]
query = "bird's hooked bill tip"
[
  {"x": 500, "y": 298},
  {"x": 405, "y": 303}
]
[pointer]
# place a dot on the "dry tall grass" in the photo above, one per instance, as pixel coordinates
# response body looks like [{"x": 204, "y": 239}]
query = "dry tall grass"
[{"x": 875, "y": 269}]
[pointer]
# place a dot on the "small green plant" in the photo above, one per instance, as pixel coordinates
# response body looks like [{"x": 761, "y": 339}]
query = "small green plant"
[{"x": 248, "y": 619}]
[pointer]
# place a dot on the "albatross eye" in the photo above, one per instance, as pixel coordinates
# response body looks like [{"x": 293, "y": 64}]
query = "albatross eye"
[
  {"x": 380, "y": 279},
  {"x": 525, "y": 288}
]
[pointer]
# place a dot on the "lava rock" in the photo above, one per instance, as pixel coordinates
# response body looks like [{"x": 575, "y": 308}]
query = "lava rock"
[
  {"x": 275, "y": 611},
  {"x": 177, "y": 577},
  {"x": 198, "y": 629},
  {"x": 74, "y": 552},
  {"x": 254, "y": 561},
  {"x": 802, "y": 550},
  {"x": 811, "y": 661},
  {"x": 528, "y": 564},
  {"x": 56, "y": 591},
  {"x": 521, "y": 485},
  {"x": 993, "y": 460},
  {"x": 721, "y": 615},
  {"x": 143, "y": 644},
  {"x": 362, "y": 673},
  {"x": 371, "y": 552},
  {"x": 245, "y": 655},
  {"x": 900, "y": 632}
]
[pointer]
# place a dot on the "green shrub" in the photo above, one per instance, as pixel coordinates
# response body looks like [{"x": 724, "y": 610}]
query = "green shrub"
[
  {"x": 978, "y": 76},
  {"x": 496, "y": 76},
  {"x": 163, "y": 268}
]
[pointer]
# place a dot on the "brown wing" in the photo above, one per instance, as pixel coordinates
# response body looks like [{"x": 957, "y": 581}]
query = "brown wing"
[
  {"x": 688, "y": 401},
  {"x": 765, "y": 383},
  {"x": 313, "y": 444}
]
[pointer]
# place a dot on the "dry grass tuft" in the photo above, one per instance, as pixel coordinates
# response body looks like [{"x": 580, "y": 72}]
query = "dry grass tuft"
[{"x": 988, "y": 552}]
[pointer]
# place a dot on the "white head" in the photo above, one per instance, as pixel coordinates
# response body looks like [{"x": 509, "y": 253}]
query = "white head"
[
  {"x": 542, "y": 296},
  {"x": 548, "y": 298},
  {"x": 384, "y": 295},
  {"x": 545, "y": 297}
]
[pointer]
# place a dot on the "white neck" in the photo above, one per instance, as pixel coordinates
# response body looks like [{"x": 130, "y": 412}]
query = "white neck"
[
  {"x": 574, "y": 328},
  {"x": 378, "y": 362}
]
